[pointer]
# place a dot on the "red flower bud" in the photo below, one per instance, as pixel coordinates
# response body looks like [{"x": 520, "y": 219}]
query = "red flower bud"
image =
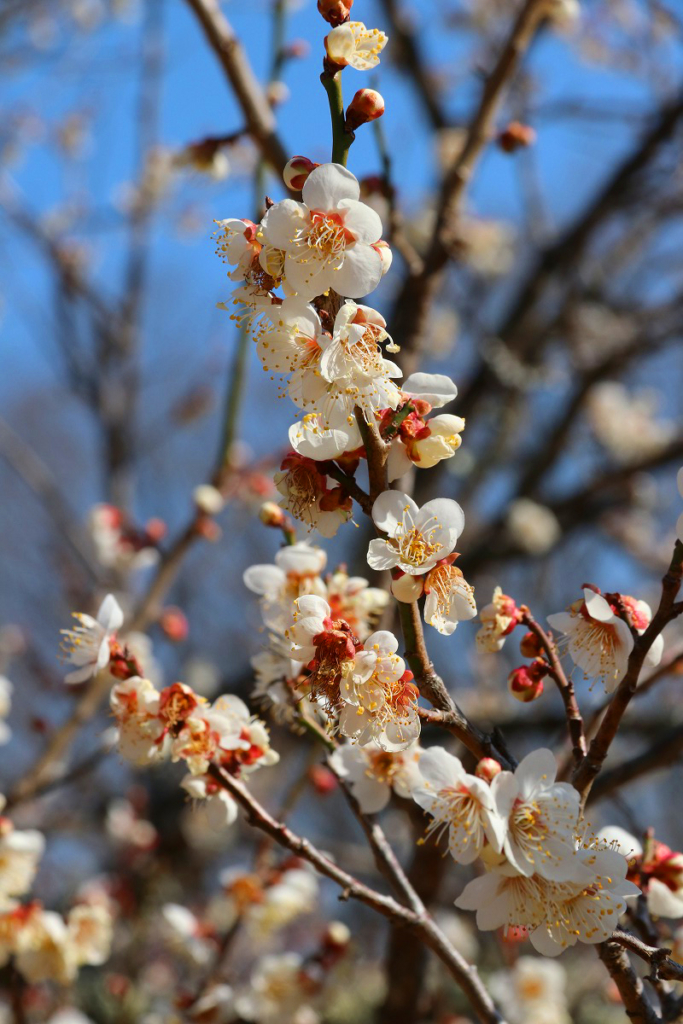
[
  {"x": 173, "y": 622},
  {"x": 530, "y": 646},
  {"x": 335, "y": 12},
  {"x": 296, "y": 171},
  {"x": 526, "y": 682},
  {"x": 516, "y": 136},
  {"x": 487, "y": 769},
  {"x": 366, "y": 105},
  {"x": 322, "y": 779}
]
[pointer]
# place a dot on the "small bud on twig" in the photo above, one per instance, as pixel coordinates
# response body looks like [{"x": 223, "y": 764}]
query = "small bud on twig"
[
  {"x": 335, "y": 12},
  {"x": 296, "y": 171},
  {"x": 366, "y": 105},
  {"x": 516, "y": 136}
]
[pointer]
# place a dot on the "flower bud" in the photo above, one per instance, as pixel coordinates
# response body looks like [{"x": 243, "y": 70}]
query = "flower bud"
[
  {"x": 208, "y": 528},
  {"x": 208, "y": 499},
  {"x": 271, "y": 514},
  {"x": 366, "y": 105},
  {"x": 322, "y": 779},
  {"x": 407, "y": 588},
  {"x": 516, "y": 136},
  {"x": 526, "y": 682},
  {"x": 296, "y": 171},
  {"x": 335, "y": 12},
  {"x": 487, "y": 769},
  {"x": 277, "y": 93},
  {"x": 155, "y": 529},
  {"x": 174, "y": 624},
  {"x": 530, "y": 646}
]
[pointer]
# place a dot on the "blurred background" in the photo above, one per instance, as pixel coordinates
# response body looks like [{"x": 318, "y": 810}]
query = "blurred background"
[{"x": 559, "y": 317}]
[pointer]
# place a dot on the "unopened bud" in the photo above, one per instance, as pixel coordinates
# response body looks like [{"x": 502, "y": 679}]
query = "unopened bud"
[
  {"x": 335, "y": 12},
  {"x": 407, "y": 588},
  {"x": 155, "y": 529},
  {"x": 208, "y": 528},
  {"x": 277, "y": 93},
  {"x": 322, "y": 779},
  {"x": 297, "y": 49},
  {"x": 173, "y": 622},
  {"x": 366, "y": 105},
  {"x": 337, "y": 934},
  {"x": 296, "y": 171},
  {"x": 208, "y": 499},
  {"x": 271, "y": 514},
  {"x": 530, "y": 646},
  {"x": 487, "y": 769},
  {"x": 516, "y": 136},
  {"x": 526, "y": 682}
]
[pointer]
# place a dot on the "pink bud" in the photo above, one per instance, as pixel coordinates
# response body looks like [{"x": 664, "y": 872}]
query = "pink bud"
[
  {"x": 526, "y": 682},
  {"x": 322, "y": 779},
  {"x": 173, "y": 622},
  {"x": 335, "y": 12},
  {"x": 487, "y": 769},
  {"x": 366, "y": 105},
  {"x": 296, "y": 171}
]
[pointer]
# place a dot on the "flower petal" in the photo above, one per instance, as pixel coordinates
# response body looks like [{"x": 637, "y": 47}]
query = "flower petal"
[
  {"x": 327, "y": 185},
  {"x": 281, "y": 222},
  {"x": 362, "y": 221},
  {"x": 389, "y": 509},
  {"x": 360, "y": 273}
]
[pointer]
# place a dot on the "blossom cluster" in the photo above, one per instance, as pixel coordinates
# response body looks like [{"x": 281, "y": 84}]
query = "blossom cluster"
[
  {"x": 300, "y": 271},
  {"x": 540, "y": 877},
  {"x": 44, "y": 945}
]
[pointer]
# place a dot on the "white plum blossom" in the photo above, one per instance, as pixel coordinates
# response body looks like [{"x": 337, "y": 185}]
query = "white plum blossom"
[
  {"x": 355, "y": 349},
  {"x": 598, "y": 640},
  {"x": 657, "y": 869},
  {"x": 354, "y": 45},
  {"x": 450, "y": 598},
  {"x": 542, "y": 818},
  {"x": 312, "y": 438},
  {"x": 533, "y": 991},
  {"x": 532, "y": 526},
  {"x": 498, "y": 620},
  {"x": 296, "y": 572},
  {"x": 87, "y": 645},
  {"x": 289, "y": 341},
  {"x": 20, "y": 855},
  {"x": 278, "y": 989},
  {"x": 307, "y": 496},
  {"x": 183, "y": 931},
  {"x": 135, "y": 705},
  {"x": 221, "y": 809},
  {"x": 237, "y": 244},
  {"x": 417, "y": 538},
  {"x": 557, "y": 914},
  {"x": 328, "y": 237},
  {"x": 372, "y": 773},
  {"x": 380, "y": 696},
  {"x": 460, "y": 804}
]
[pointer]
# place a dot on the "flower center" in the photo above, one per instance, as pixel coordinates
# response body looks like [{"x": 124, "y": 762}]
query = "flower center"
[
  {"x": 414, "y": 547},
  {"x": 328, "y": 235}
]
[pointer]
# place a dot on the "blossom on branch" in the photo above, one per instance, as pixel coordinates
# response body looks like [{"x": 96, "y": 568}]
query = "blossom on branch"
[
  {"x": 328, "y": 237},
  {"x": 416, "y": 538},
  {"x": 372, "y": 773},
  {"x": 87, "y": 646},
  {"x": 354, "y": 45}
]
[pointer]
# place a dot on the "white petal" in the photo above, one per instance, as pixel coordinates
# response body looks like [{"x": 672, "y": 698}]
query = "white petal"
[
  {"x": 537, "y": 767},
  {"x": 662, "y": 902},
  {"x": 372, "y": 795},
  {"x": 597, "y": 607},
  {"x": 383, "y": 640},
  {"x": 264, "y": 579},
  {"x": 398, "y": 461},
  {"x": 110, "y": 616},
  {"x": 449, "y": 516},
  {"x": 435, "y": 388},
  {"x": 282, "y": 221},
  {"x": 389, "y": 510},
  {"x": 381, "y": 556},
  {"x": 327, "y": 185},
  {"x": 362, "y": 221},
  {"x": 441, "y": 769},
  {"x": 360, "y": 273},
  {"x": 654, "y": 655}
]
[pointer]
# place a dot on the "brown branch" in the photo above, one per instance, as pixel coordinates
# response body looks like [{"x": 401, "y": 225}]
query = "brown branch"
[
  {"x": 661, "y": 964},
  {"x": 250, "y": 95},
  {"x": 465, "y": 975},
  {"x": 586, "y": 773},
  {"x": 377, "y": 452},
  {"x": 636, "y": 1004},
  {"x": 418, "y": 290},
  {"x": 564, "y": 684}
]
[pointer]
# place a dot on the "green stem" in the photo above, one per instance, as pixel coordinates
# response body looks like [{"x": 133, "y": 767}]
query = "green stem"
[{"x": 341, "y": 139}]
